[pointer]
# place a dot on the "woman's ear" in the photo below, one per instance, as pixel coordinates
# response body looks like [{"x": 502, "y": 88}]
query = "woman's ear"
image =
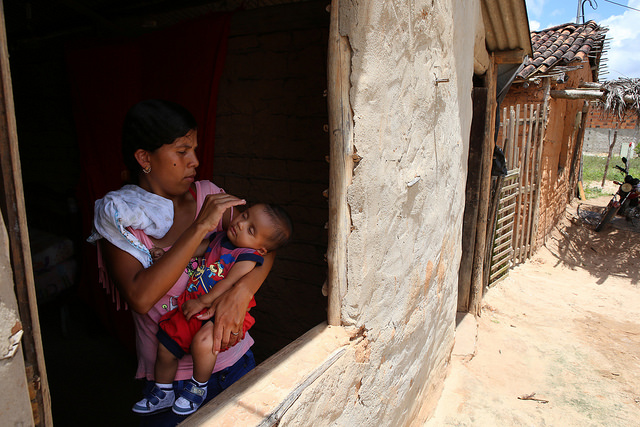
[
  {"x": 262, "y": 251},
  {"x": 142, "y": 157}
]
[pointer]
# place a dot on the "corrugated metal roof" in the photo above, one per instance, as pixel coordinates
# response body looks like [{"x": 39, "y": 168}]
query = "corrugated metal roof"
[{"x": 506, "y": 25}]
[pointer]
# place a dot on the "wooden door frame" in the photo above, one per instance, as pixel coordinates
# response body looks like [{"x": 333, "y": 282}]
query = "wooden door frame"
[{"x": 14, "y": 212}]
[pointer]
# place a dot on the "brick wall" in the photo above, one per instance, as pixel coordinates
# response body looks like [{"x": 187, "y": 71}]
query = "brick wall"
[
  {"x": 597, "y": 119},
  {"x": 271, "y": 146}
]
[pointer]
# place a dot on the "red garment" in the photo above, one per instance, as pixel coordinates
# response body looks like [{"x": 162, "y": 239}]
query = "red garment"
[{"x": 174, "y": 328}]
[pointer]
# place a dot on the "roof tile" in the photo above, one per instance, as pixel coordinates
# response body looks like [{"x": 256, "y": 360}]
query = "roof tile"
[{"x": 562, "y": 45}]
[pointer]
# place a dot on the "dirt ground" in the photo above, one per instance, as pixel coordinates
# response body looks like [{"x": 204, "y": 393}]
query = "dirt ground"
[{"x": 558, "y": 341}]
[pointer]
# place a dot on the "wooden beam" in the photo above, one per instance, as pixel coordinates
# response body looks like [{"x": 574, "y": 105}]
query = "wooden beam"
[
  {"x": 591, "y": 85},
  {"x": 588, "y": 94},
  {"x": 472, "y": 196},
  {"x": 15, "y": 214},
  {"x": 477, "y": 276},
  {"x": 340, "y": 163},
  {"x": 509, "y": 56}
]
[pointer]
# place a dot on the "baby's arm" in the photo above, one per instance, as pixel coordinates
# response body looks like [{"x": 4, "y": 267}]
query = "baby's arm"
[
  {"x": 192, "y": 307},
  {"x": 202, "y": 247}
]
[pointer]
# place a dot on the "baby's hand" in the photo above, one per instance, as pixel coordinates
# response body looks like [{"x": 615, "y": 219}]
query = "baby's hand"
[
  {"x": 193, "y": 307},
  {"x": 156, "y": 253}
]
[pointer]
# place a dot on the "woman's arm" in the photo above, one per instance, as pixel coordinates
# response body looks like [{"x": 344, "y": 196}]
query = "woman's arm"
[
  {"x": 231, "y": 306},
  {"x": 141, "y": 287}
]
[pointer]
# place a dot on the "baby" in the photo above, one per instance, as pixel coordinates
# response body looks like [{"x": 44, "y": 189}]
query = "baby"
[{"x": 260, "y": 229}]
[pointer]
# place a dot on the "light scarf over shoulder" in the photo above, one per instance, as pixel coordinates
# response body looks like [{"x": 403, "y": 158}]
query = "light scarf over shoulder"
[{"x": 133, "y": 207}]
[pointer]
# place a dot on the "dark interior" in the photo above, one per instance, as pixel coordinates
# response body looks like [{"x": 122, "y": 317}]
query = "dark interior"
[{"x": 271, "y": 145}]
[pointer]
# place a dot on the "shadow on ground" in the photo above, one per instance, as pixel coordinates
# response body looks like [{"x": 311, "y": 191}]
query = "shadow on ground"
[{"x": 614, "y": 251}]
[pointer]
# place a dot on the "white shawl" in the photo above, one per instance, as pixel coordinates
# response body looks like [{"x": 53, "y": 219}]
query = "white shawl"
[{"x": 131, "y": 206}]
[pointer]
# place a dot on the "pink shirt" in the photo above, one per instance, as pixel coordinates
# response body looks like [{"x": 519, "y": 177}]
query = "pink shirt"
[{"x": 147, "y": 324}]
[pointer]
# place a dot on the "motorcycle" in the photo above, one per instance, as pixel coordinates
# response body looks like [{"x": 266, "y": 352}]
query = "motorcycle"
[{"x": 625, "y": 200}]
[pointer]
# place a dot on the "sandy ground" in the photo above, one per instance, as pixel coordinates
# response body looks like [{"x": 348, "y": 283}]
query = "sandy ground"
[{"x": 564, "y": 328}]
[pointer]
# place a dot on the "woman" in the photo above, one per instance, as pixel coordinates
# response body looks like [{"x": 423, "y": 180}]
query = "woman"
[{"x": 158, "y": 145}]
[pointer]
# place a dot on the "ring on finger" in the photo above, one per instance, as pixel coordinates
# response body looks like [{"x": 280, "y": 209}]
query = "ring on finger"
[{"x": 235, "y": 333}]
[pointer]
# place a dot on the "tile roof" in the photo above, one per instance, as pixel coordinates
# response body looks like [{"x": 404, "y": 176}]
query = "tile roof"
[{"x": 564, "y": 45}]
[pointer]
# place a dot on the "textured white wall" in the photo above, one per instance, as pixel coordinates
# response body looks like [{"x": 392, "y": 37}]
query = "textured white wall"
[
  {"x": 15, "y": 404},
  {"x": 404, "y": 250}
]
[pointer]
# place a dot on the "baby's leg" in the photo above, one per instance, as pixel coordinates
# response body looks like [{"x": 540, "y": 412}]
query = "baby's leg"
[
  {"x": 162, "y": 395},
  {"x": 166, "y": 365},
  {"x": 202, "y": 353}
]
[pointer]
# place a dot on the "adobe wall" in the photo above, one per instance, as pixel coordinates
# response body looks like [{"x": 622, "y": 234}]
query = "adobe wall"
[
  {"x": 15, "y": 405},
  {"x": 406, "y": 203},
  {"x": 559, "y": 144}
]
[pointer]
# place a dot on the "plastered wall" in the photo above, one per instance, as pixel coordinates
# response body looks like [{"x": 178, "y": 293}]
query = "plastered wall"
[
  {"x": 406, "y": 202},
  {"x": 15, "y": 406},
  {"x": 597, "y": 140}
]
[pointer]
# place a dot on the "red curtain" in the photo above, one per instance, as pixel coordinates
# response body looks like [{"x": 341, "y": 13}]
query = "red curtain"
[{"x": 182, "y": 64}]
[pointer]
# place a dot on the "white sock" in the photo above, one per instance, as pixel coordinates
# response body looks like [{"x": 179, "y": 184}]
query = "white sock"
[
  {"x": 199, "y": 384},
  {"x": 165, "y": 387}
]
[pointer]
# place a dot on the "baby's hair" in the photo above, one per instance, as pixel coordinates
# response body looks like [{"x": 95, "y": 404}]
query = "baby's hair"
[{"x": 283, "y": 226}]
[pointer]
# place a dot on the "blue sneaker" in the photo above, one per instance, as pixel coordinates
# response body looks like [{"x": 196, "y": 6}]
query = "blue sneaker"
[
  {"x": 155, "y": 401},
  {"x": 191, "y": 397}
]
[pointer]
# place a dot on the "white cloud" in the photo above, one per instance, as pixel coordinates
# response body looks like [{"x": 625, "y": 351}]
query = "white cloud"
[
  {"x": 535, "y": 7},
  {"x": 624, "y": 37},
  {"x": 534, "y": 25}
]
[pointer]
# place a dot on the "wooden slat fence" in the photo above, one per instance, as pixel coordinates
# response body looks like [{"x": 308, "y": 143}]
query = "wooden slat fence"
[
  {"x": 502, "y": 254},
  {"x": 514, "y": 234}
]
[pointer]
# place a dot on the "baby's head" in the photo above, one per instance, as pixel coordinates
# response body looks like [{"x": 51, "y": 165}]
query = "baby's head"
[{"x": 262, "y": 227}]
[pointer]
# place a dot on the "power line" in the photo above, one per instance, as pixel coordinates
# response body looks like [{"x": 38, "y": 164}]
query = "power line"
[{"x": 622, "y": 5}]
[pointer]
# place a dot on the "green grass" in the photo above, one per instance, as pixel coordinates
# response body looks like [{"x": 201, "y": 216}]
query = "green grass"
[{"x": 593, "y": 169}]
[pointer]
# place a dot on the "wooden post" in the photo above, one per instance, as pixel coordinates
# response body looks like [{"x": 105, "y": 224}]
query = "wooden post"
[
  {"x": 511, "y": 139},
  {"x": 541, "y": 127},
  {"x": 606, "y": 165},
  {"x": 577, "y": 154},
  {"x": 14, "y": 207},
  {"x": 526, "y": 203},
  {"x": 477, "y": 276},
  {"x": 472, "y": 196},
  {"x": 521, "y": 189},
  {"x": 340, "y": 163}
]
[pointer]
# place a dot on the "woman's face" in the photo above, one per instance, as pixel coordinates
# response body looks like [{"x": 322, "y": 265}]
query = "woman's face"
[{"x": 173, "y": 166}]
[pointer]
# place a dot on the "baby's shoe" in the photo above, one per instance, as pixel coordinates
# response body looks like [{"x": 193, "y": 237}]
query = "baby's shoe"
[
  {"x": 191, "y": 397},
  {"x": 156, "y": 400}
]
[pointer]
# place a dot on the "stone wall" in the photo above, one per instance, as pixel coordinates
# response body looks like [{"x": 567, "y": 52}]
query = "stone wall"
[{"x": 405, "y": 246}]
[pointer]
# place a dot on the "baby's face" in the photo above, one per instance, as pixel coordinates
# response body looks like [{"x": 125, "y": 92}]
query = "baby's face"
[{"x": 251, "y": 229}]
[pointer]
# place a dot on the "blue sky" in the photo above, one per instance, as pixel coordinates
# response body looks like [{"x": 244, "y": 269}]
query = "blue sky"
[{"x": 623, "y": 56}]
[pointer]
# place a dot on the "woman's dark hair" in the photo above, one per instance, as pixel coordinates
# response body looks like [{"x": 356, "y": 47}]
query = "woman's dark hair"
[{"x": 151, "y": 124}]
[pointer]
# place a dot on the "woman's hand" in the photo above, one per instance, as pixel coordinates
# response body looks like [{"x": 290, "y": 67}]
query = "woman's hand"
[
  {"x": 214, "y": 207},
  {"x": 229, "y": 310}
]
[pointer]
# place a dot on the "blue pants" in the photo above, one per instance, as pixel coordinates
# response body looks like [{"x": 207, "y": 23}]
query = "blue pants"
[{"x": 218, "y": 382}]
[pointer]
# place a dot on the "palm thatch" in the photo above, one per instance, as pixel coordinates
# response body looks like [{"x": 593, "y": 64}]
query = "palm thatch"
[{"x": 621, "y": 97}]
